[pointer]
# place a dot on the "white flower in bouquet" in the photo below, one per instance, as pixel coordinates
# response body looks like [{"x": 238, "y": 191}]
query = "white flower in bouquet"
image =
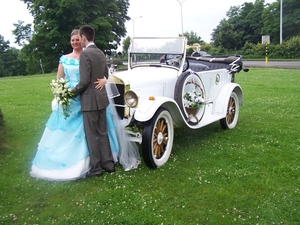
[{"x": 63, "y": 94}]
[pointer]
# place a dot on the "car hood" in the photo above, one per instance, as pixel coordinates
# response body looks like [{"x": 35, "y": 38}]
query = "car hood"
[{"x": 146, "y": 76}]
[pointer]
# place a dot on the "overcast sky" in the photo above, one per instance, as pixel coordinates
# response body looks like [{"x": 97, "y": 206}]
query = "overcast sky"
[{"x": 159, "y": 17}]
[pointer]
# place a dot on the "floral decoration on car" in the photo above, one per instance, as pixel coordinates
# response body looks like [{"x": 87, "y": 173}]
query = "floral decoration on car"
[{"x": 193, "y": 99}]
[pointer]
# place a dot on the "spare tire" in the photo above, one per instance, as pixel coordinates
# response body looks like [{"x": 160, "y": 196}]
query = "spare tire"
[{"x": 187, "y": 82}]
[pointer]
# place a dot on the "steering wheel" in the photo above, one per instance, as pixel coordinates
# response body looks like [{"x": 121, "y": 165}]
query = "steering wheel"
[{"x": 172, "y": 60}]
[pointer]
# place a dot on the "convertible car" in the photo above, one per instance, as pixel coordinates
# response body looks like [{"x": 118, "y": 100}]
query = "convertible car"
[{"x": 158, "y": 95}]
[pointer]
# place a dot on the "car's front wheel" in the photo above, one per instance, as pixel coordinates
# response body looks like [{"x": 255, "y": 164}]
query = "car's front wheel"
[
  {"x": 232, "y": 114},
  {"x": 157, "y": 139}
]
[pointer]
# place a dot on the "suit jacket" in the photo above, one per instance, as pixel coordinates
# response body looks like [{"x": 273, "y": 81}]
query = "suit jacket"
[{"x": 92, "y": 66}]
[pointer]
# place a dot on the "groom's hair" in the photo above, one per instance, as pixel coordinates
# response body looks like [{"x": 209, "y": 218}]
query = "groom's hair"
[{"x": 88, "y": 32}]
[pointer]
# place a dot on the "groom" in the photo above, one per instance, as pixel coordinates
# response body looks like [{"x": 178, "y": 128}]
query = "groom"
[{"x": 94, "y": 102}]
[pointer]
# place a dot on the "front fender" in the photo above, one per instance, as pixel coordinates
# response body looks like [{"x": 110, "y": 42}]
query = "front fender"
[
  {"x": 147, "y": 109},
  {"x": 221, "y": 101}
]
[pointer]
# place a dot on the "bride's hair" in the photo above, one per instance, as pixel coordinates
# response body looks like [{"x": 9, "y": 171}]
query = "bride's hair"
[{"x": 75, "y": 32}]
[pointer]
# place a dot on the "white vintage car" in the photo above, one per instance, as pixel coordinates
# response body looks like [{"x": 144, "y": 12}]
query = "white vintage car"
[{"x": 158, "y": 95}]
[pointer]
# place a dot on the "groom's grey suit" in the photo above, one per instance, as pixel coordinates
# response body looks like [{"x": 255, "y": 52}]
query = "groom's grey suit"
[{"x": 93, "y": 106}]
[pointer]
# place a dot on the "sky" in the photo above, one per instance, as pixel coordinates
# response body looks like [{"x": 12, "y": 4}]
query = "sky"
[{"x": 149, "y": 18}]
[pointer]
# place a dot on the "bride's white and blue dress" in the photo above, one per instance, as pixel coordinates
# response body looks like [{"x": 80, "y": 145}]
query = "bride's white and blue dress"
[{"x": 62, "y": 152}]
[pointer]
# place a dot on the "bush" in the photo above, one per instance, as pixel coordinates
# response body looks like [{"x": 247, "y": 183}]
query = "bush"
[
  {"x": 254, "y": 50},
  {"x": 118, "y": 61},
  {"x": 292, "y": 48},
  {"x": 218, "y": 51},
  {"x": 289, "y": 49}
]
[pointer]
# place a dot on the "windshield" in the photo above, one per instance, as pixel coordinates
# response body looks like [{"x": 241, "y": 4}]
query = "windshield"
[
  {"x": 155, "y": 51},
  {"x": 157, "y": 45}
]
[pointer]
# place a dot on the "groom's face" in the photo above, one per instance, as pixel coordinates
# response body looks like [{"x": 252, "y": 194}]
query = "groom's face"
[{"x": 83, "y": 41}]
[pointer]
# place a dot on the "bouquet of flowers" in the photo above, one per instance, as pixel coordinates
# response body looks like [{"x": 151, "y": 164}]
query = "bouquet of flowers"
[
  {"x": 62, "y": 93},
  {"x": 193, "y": 99}
]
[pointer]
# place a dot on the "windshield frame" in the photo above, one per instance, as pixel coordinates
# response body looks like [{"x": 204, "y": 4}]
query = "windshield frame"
[{"x": 145, "y": 51}]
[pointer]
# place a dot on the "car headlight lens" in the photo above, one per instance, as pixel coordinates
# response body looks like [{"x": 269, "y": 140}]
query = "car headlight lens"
[{"x": 131, "y": 99}]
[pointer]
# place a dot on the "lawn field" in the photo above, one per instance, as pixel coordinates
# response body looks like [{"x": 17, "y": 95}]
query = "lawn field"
[{"x": 247, "y": 175}]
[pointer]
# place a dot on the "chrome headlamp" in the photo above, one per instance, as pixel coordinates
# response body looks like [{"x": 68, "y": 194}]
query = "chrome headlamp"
[{"x": 131, "y": 99}]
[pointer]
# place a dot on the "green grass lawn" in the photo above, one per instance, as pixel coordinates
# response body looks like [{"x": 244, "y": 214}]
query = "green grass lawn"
[{"x": 248, "y": 175}]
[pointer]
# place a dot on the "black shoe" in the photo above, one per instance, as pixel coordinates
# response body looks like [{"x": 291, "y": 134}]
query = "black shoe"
[
  {"x": 89, "y": 175},
  {"x": 110, "y": 170},
  {"x": 109, "y": 167}
]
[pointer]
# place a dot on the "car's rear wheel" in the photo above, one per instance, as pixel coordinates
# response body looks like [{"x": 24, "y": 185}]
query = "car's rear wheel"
[
  {"x": 157, "y": 139},
  {"x": 232, "y": 114},
  {"x": 186, "y": 82}
]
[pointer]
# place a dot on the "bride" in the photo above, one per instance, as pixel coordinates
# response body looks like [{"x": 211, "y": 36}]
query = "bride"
[{"x": 62, "y": 152}]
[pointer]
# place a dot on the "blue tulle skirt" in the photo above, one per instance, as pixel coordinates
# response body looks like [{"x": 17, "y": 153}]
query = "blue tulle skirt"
[{"x": 62, "y": 152}]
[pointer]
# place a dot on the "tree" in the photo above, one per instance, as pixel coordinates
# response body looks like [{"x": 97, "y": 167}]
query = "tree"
[
  {"x": 244, "y": 24},
  {"x": 22, "y": 33},
  {"x": 251, "y": 22},
  {"x": 10, "y": 62},
  {"x": 14, "y": 65},
  {"x": 55, "y": 19},
  {"x": 271, "y": 18},
  {"x": 247, "y": 21},
  {"x": 226, "y": 37},
  {"x": 291, "y": 19},
  {"x": 4, "y": 45},
  {"x": 192, "y": 38},
  {"x": 126, "y": 43}
]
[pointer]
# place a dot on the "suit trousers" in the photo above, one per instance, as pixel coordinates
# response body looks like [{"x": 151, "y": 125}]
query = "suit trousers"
[{"x": 97, "y": 140}]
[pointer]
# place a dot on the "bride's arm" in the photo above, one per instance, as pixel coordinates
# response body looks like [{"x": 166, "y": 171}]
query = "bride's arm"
[
  {"x": 60, "y": 71},
  {"x": 100, "y": 83}
]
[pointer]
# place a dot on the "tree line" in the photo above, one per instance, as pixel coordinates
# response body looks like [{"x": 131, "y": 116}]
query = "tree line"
[{"x": 48, "y": 39}]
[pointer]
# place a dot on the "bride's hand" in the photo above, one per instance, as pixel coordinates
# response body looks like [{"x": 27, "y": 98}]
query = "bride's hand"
[{"x": 100, "y": 83}]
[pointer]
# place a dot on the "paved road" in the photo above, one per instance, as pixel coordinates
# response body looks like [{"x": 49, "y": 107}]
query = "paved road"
[{"x": 273, "y": 64}]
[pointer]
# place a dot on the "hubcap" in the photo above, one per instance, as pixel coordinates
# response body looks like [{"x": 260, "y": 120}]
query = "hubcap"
[{"x": 160, "y": 138}]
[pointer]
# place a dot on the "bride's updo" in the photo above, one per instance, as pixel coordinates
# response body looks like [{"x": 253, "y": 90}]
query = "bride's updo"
[{"x": 75, "y": 32}]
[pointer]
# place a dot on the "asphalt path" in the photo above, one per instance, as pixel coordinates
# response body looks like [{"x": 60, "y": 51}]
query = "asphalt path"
[{"x": 272, "y": 64}]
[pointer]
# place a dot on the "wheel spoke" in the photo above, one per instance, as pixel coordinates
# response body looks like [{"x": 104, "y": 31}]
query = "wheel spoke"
[
  {"x": 231, "y": 101},
  {"x": 230, "y": 111},
  {"x": 229, "y": 118},
  {"x": 161, "y": 125},
  {"x": 162, "y": 150},
  {"x": 164, "y": 128},
  {"x": 156, "y": 130},
  {"x": 158, "y": 151},
  {"x": 155, "y": 147},
  {"x": 159, "y": 145}
]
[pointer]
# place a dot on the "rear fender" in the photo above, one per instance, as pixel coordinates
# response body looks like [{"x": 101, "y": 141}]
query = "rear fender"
[{"x": 221, "y": 101}]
